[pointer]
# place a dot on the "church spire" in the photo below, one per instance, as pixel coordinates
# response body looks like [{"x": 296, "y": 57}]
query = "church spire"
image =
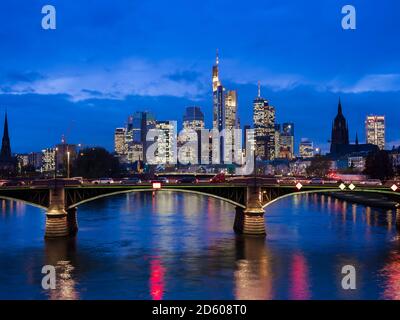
[{"x": 5, "y": 153}]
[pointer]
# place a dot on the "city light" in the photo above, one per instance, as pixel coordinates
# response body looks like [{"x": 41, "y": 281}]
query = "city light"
[{"x": 156, "y": 185}]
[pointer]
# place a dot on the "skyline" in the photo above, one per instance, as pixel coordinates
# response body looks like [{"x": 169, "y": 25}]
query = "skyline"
[{"x": 84, "y": 86}]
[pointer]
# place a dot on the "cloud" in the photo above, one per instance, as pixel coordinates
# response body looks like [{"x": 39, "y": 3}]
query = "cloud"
[
  {"x": 129, "y": 77},
  {"x": 369, "y": 83},
  {"x": 13, "y": 77},
  {"x": 184, "y": 76}
]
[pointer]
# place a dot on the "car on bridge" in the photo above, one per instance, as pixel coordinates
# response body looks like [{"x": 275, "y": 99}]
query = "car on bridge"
[
  {"x": 370, "y": 182},
  {"x": 218, "y": 178},
  {"x": 188, "y": 180},
  {"x": 160, "y": 180},
  {"x": 131, "y": 181},
  {"x": 317, "y": 181},
  {"x": 103, "y": 181},
  {"x": 13, "y": 183}
]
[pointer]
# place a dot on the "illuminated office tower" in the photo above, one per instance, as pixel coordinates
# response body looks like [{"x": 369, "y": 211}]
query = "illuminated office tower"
[
  {"x": 218, "y": 98},
  {"x": 48, "y": 160},
  {"x": 193, "y": 118},
  {"x": 264, "y": 126},
  {"x": 375, "y": 130},
  {"x": 225, "y": 110},
  {"x": 287, "y": 141},
  {"x": 277, "y": 140},
  {"x": 134, "y": 152},
  {"x": 136, "y": 131},
  {"x": 231, "y": 119},
  {"x": 167, "y": 144},
  {"x": 306, "y": 148},
  {"x": 231, "y": 109},
  {"x": 119, "y": 141}
]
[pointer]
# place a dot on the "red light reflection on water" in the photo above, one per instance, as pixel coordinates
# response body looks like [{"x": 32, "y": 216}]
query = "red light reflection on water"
[
  {"x": 157, "y": 272},
  {"x": 299, "y": 278},
  {"x": 392, "y": 274}
]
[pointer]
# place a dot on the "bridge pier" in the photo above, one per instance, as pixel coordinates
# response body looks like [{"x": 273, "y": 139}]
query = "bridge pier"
[
  {"x": 250, "y": 221},
  {"x": 72, "y": 221},
  {"x": 59, "y": 222}
]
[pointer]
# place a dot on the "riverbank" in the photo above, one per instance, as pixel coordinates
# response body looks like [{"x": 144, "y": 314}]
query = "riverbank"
[{"x": 368, "y": 199}]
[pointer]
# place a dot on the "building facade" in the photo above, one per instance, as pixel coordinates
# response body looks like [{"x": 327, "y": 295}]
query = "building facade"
[
  {"x": 306, "y": 148},
  {"x": 264, "y": 127},
  {"x": 375, "y": 130}
]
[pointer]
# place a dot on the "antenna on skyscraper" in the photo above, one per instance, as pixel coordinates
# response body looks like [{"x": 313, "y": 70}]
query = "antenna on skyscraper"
[
  {"x": 259, "y": 89},
  {"x": 217, "y": 58}
]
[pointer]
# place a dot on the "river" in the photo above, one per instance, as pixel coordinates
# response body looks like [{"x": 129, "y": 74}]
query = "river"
[{"x": 182, "y": 246}]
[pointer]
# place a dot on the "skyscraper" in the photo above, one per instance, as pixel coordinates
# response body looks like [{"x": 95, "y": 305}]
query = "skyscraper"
[
  {"x": 225, "y": 111},
  {"x": 264, "y": 126},
  {"x": 136, "y": 131},
  {"x": 119, "y": 141},
  {"x": 375, "y": 130},
  {"x": 166, "y": 152},
  {"x": 231, "y": 109},
  {"x": 340, "y": 131},
  {"x": 287, "y": 141},
  {"x": 193, "y": 118},
  {"x": 306, "y": 148},
  {"x": 218, "y": 98}
]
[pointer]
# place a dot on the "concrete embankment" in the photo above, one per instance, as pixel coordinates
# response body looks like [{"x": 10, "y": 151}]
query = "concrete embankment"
[{"x": 367, "y": 199}]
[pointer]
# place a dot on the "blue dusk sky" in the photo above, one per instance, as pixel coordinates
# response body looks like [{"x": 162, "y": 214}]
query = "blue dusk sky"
[{"x": 108, "y": 59}]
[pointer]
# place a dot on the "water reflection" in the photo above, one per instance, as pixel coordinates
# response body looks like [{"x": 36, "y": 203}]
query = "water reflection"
[
  {"x": 300, "y": 288},
  {"x": 60, "y": 254},
  {"x": 253, "y": 275},
  {"x": 181, "y": 246},
  {"x": 157, "y": 272}
]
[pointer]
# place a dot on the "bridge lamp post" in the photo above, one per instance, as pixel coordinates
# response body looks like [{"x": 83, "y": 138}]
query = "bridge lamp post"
[
  {"x": 55, "y": 162},
  {"x": 68, "y": 158}
]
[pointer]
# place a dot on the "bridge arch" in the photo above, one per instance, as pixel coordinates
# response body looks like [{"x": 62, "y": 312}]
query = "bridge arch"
[
  {"x": 75, "y": 205},
  {"x": 391, "y": 193},
  {"x": 2, "y": 197}
]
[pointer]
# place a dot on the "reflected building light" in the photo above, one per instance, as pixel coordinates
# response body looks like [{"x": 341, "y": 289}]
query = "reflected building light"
[
  {"x": 253, "y": 276},
  {"x": 300, "y": 285},
  {"x": 389, "y": 219},
  {"x": 391, "y": 273},
  {"x": 368, "y": 215},
  {"x": 65, "y": 284},
  {"x": 157, "y": 274},
  {"x": 354, "y": 212},
  {"x": 3, "y": 207}
]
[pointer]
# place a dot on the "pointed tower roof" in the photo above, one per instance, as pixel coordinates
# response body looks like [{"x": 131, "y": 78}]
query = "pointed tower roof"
[
  {"x": 5, "y": 132},
  {"x": 340, "y": 111},
  {"x": 5, "y": 154}
]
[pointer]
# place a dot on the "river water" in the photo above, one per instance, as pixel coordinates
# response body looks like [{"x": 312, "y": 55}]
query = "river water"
[{"x": 182, "y": 246}]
